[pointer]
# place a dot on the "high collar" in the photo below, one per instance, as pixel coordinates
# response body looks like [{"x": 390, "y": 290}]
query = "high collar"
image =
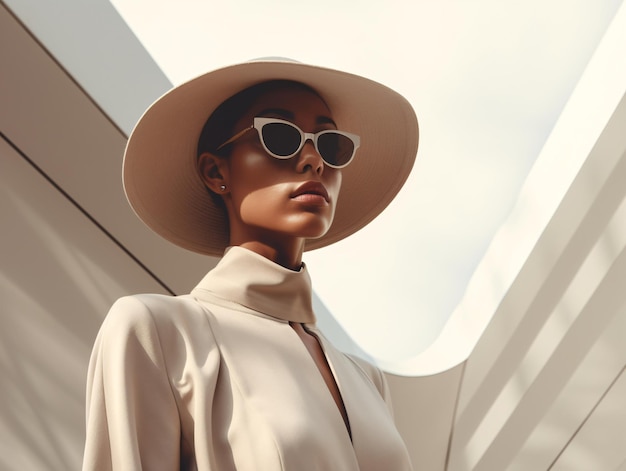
[{"x": 250, "y": 280}]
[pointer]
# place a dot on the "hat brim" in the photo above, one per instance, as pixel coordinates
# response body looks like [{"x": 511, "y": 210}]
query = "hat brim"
[{"x": 160, "y": 175}]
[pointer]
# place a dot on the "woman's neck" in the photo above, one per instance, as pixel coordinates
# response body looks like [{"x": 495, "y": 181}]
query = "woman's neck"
[{"x": 286, "y": 255}]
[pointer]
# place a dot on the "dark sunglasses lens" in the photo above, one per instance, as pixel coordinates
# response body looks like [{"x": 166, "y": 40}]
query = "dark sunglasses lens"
[
  {"x": 336, "y": 149},
  {"x": 281, "y": 139}
]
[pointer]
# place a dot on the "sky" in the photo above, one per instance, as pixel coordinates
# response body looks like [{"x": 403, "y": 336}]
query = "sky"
[{"x": 487, "y": 79}]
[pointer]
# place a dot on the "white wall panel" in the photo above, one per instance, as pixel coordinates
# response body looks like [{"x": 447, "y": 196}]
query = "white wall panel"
[
  {"x": 59, "y": 274},
  {"x": 597, "y": 446},
  {"x": 65, "y": 133},
  {"x": 89, "y": 39},
  {"x": 548, "y": 356}
]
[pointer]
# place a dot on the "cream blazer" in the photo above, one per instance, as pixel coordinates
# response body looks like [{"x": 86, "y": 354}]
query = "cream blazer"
[{"x": 218, "y": 380}]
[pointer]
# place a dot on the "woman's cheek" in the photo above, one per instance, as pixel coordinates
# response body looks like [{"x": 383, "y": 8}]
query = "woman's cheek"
[{"x": 262, "y": 206}]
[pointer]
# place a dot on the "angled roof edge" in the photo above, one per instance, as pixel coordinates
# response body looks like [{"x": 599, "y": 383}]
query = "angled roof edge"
[
  {"x": 581, "y": 125},
  {"x": 92, "y": 42}
]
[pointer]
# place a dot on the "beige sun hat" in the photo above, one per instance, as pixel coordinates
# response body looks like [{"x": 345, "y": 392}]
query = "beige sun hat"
[{"x": 163, "y": 186}]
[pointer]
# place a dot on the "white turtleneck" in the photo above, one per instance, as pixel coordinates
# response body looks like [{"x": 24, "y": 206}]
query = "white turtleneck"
[
  {"x": 248, "y": 279},
  {"x": 218, "y": 380}
]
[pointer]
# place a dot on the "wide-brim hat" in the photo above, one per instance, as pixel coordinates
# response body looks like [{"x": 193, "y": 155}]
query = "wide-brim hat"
[{"x": 160, "y": 175}]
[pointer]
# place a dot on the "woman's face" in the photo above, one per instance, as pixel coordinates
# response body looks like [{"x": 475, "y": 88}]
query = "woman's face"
[{"x": 271, "y": 200}]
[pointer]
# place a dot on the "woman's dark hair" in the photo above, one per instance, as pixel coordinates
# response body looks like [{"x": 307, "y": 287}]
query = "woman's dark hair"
[{"x": 221, "y": 124}]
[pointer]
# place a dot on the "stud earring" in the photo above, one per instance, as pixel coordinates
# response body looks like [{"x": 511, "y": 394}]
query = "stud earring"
[{"x": 222, "y": 187}]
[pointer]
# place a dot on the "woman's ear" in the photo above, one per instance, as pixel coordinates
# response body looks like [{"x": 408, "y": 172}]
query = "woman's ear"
[{"x": 214, "y": 172}]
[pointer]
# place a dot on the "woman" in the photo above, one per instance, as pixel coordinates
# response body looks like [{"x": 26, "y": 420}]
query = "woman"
[{"x": 235, "y": 375}]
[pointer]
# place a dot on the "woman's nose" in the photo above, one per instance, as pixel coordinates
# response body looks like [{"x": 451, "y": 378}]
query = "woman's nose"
[{"x": 310, "y": 159}]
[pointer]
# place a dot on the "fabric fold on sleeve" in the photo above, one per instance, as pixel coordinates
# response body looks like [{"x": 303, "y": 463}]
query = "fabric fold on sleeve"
[{"x": 132, "y": 416}]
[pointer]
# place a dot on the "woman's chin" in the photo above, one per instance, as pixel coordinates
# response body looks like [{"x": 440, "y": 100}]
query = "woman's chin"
[
  {"x": 315, "y": 231},
  {"x": 310, "y": 226}
]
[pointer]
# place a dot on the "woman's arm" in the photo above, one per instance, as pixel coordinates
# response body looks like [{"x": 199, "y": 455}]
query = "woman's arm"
[{"x": 132, "y": 414}]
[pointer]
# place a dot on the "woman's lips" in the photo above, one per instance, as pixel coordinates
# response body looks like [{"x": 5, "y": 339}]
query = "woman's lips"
[{"x": 311, "y": 192}]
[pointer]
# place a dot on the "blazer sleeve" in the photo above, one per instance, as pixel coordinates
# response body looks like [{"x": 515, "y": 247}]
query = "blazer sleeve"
[{"x": 132, "y": 414}]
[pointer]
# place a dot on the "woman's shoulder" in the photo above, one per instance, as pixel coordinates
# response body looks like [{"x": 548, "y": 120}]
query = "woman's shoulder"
[
  {"x": 155, "y": 308},
  {"x": 370, "y": 370},
  {"x": 165, "y": 319}
]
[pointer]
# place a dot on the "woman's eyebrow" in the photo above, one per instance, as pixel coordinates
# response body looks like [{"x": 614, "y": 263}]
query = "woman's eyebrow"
[
  {"x": 289, "y": 115},
  {"x": 325, "y": 120},
  {"x": 283, "y": 113}
]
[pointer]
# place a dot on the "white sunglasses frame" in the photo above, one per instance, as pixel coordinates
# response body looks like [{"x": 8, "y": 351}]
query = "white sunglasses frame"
[{"x": 259, "y": 122}]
